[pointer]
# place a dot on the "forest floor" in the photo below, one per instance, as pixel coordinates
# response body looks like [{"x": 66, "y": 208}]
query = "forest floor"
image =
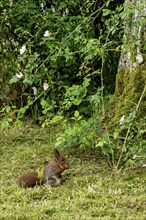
[{"x": 91, "y": 190}]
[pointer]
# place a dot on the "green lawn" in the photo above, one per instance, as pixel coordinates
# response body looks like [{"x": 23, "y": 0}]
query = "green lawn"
[{"x": 90, "y": 190}]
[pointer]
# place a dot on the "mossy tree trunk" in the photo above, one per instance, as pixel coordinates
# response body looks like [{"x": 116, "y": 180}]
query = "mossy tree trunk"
[{"x": 131, "y": 76}]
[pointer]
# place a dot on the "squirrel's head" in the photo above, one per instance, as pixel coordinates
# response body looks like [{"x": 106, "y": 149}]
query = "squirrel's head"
[{"x": 60, "y": 160}]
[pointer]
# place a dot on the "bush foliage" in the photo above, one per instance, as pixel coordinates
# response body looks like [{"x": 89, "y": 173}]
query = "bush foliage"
[
  {"x": 62, "y": 44},
  {"x": 59, "y": 60}
]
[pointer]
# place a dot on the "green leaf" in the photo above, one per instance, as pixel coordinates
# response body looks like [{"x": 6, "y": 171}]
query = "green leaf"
[
  {"x": 99, "y": 144},
  {"x": 28, "y": 81},
  {"x": 76, "y": 114},
  {"x": 106, "y": 12},
  {"x": 86, "y": 82},
  {"x": 56, "y": 119},
  {"x": 116, "y": 135},
  {"x": 14, "y": 79}
]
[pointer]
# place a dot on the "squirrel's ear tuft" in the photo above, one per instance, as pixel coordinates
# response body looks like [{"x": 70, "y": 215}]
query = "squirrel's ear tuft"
[{"x": 56, "y": 152}]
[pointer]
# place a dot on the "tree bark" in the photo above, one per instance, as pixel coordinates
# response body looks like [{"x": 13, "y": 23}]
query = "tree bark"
[{"x": 131, "y": 76}]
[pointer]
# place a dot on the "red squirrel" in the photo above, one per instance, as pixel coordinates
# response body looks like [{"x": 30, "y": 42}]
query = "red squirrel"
[
  {"x": 29, "y": 179},
  {"x": 52, "y": 173}
]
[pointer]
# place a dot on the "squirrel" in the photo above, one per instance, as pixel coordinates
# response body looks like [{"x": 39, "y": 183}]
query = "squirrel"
[
  {"x": 52, "y": 173},
  {"x": 29, "y": 179}
]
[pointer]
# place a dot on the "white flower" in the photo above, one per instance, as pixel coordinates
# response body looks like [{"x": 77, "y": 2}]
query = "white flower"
[
  {"x": 45, "y": 86},
  {"x": 34, "y": 90},
  {"x": 23, "y": 49},
  {"x": 122, "y": 119},
  {"x": 42, "y": 5},
  {"x": 19, "y": 75},
  {"x": 47, "y": 34}
]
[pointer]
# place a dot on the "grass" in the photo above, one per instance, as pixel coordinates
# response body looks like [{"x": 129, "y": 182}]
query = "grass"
[{"x": 90, "y": 190}]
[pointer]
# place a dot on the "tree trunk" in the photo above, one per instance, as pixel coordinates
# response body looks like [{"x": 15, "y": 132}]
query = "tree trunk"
[{"x": 131, "y": 76}]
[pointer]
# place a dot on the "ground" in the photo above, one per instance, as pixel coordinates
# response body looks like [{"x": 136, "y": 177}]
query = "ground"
[{"x": 91, "y": 189}]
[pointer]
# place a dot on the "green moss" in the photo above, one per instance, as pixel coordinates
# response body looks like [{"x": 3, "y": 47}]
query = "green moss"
[{"x": 129, "y": 87}]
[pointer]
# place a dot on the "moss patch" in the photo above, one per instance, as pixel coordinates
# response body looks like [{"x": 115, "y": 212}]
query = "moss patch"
[{"x": 129, "y": 87}]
